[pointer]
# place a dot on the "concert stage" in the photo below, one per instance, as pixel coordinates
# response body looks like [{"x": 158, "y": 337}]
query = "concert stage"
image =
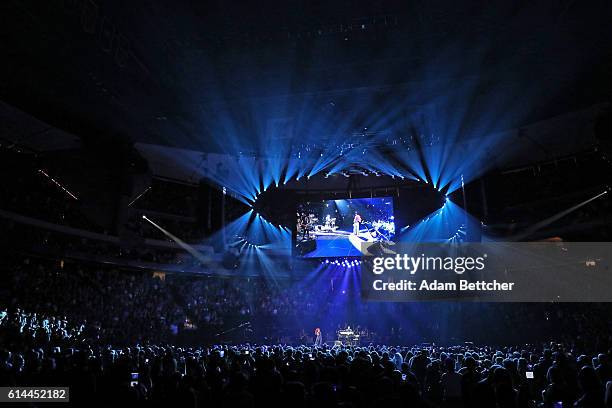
[
  {"x": 339, "y": 243},
  {"x": 340, "y": 227}
]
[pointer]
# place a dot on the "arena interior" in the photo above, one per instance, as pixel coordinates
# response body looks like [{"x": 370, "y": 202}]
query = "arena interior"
[{"x": 194, "y": 195}]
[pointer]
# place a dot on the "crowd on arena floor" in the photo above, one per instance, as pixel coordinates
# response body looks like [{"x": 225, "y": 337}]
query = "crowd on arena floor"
[
  {"x": 40, "y": 349},
  {"x": 141, "y": 306}
]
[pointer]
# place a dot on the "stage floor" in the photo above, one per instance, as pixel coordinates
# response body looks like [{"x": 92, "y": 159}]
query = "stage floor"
[{"x": 338, "y": 244}]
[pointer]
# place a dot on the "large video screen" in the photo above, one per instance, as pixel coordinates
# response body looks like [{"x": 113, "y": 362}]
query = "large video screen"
[{"x": 337, "y": 228}]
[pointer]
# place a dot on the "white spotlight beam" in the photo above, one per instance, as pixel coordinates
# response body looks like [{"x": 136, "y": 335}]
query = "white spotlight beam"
[
  {"x": 57, "y": 183},
  {"x": 554, "y": 218},
  {"x": 139, "y": 195},
  {"x": 180, "y": 242}
]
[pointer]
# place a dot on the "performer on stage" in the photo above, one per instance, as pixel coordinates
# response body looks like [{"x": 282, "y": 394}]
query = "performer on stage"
[
  {"x": 318, "y": 337},
  {"x": 356, "y": 223},
  {"x": 305, "y": 224}
]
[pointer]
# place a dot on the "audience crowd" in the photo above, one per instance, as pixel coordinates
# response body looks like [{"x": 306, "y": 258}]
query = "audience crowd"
[
  {"x": 118, "y": 336},
  {"x": 34, "y": 239},
  {"x": 42, "y": 350},
  {"x": 140, "y": 305}
]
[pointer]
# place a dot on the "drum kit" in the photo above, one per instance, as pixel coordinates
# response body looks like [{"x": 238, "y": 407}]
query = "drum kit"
[
  {"x": 328, "y": 226},
  {"x": 348, "y": 337}
]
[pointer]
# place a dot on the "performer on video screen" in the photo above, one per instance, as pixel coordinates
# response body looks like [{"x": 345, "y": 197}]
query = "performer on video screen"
[
  {"x": 356, "y": 223},
  {"x": 318, "y": 337},
  {"x": 304, "y": 223}
]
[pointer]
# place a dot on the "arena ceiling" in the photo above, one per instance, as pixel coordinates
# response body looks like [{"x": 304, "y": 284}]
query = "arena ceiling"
[{"x": 181, "y": 73}]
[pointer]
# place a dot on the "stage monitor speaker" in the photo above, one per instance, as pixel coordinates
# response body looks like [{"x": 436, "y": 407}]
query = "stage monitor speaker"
[{"x": 305, "y": 247}]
